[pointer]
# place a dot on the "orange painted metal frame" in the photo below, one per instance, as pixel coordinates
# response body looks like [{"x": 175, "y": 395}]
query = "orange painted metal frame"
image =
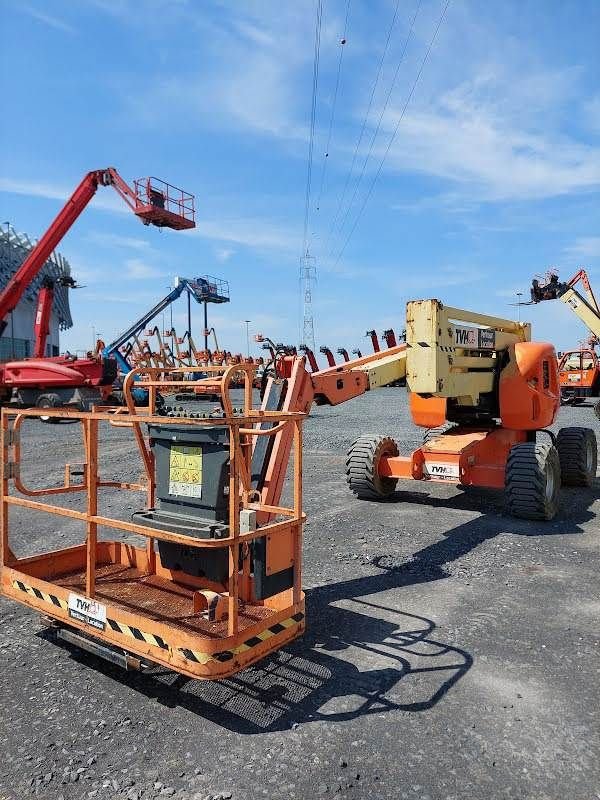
[
  {"x": 39, "y": 581},
  {"x": 581, "y": 378},
  {"x": 476, "y": 457}
]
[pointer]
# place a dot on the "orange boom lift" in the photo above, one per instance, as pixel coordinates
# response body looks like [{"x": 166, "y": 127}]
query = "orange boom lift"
[
  {"x": 497, "y": 391},
  {"x": 579, "y": 370}
]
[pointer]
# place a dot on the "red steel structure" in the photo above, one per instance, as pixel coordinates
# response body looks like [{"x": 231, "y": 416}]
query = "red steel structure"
[{"x": 154, "y": 202}]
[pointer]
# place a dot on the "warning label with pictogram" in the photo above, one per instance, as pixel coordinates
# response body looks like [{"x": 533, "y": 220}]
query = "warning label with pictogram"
[{"x": 185, "y": 471}]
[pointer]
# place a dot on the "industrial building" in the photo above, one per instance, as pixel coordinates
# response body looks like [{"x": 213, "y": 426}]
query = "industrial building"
[{"x": 18, "y": 339}]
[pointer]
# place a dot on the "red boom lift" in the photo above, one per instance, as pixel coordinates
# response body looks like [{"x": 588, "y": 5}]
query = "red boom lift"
[{"x": 48, "y": 382}]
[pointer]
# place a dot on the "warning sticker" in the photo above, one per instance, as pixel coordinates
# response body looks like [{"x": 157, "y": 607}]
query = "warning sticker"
[
  {"x": 185, "y": 471},
  {"x": 89, "y": 611}
]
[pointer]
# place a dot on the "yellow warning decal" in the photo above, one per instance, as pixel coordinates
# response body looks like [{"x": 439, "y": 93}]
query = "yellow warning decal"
[{"x": 185, "y": 471}]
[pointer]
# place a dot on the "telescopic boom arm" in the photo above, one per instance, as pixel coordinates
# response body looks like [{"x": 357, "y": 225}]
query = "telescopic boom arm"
[
  {"x": 586, "y": 308},
  {"x": 152, "y": 200}
]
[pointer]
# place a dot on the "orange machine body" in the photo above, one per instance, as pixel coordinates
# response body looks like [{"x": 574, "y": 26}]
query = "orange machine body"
[
  {"x": 475, "y": 454},
  {"x": 579, "y": 375},
  {"x": 129, "y": 599},
  {"x": 529, "y": 393}
]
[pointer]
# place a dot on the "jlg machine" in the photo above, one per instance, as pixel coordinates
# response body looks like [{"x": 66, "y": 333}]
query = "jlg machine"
[
  {"x": 579, "y": 370},
  {"x": 219, "y": 583},
  {"x": 498, "y": 391}
]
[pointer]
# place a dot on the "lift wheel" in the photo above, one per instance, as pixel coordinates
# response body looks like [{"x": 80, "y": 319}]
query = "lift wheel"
[
  {"x": 533, "y": 480},
  {"x": 362, "y": 467},
  {"x": 578, "y": 453}
]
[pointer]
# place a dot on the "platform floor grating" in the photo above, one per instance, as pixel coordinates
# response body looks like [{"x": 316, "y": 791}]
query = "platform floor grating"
[{"x": 157, "y": 599}]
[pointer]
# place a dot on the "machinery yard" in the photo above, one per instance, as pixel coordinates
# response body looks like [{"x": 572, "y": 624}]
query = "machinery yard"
[
  {"x": 451, "y": 651},
  {"x": 247, "y": 549}
]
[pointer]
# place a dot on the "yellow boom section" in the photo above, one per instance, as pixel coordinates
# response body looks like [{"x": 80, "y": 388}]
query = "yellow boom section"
[
  {"x": 583, "y": 309},
  {"x": 448, "y": 358}
]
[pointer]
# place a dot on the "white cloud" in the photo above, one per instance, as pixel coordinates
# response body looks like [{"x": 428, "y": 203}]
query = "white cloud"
[
  {"x": 224, "y": 253},
  {"x": 47, "y": 19},
  {"x": 445, "y": 276},
  {"x": 257, "y": 233},
  {"x": 469, "y": 137},
  {"x": 136, "y": 269},
  {"x": 592, "y": 113},
  {"x": 585, "y": 247},
  {"x": 251, "y": 89},
  {"x": 113, "y": 239},
  {"x": 251, "y": 74}
]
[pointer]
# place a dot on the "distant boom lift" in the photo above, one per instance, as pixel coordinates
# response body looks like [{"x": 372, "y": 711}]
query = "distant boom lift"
[
  {"x": 122, "y": 346},
  {"x": 154, "y": 202},
  {"x": 580, "y": 381}
]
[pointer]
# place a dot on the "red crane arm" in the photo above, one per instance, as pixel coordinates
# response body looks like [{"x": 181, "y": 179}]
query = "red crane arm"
[
  {"x": 374, "y": 340},
  {"x": 328, "y": 355},
  {"x": 153, "y": 201},
  {"x": 390, "y": 338},
  {"x": 38, "y": 256},
  {"x": 41, "y": 325}
]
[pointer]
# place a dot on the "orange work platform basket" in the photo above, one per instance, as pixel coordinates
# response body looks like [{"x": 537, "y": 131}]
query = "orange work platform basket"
[{"x": 217, "y": 585}]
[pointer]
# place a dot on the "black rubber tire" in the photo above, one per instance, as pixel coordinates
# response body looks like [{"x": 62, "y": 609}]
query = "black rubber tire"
[
  {"x": 578, "y": 453},
  {"x": 532, "y": 487},
  {"x": 361, "y": 467},
  {"x": 48, "y": 401}
]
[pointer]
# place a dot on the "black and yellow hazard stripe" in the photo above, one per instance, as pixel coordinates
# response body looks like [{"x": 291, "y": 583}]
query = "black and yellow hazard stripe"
[
  {"x": 197, "y": 656},
  {"x": 34, "y": 592},
  {"x": 118, "y": 627},
  {"x": 226, "y": 655},
  {"x": 136, "y": 633}
]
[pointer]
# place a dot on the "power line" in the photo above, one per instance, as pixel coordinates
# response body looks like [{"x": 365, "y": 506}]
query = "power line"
[
  {"x": 364, "y": 123},
  {"x": 306, "y": 274},
  {"x": 381, "y": 116},
  {"x": 395, "y": 131},
  {"x": 335, "y": 94},
  {"x": 313, "y": 114}
]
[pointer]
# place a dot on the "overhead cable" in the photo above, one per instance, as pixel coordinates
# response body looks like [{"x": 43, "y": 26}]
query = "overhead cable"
[{"x": 395, "y": 131}]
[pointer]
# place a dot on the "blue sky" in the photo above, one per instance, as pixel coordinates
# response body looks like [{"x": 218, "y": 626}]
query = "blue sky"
[{"x": 494, "y": 174}]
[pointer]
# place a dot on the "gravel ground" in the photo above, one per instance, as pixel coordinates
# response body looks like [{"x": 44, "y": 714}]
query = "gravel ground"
[{"x": 451, "y": 652}]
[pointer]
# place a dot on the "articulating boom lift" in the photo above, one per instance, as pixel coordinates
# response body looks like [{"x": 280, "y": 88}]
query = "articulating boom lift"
[
  {"x": 154, "y": 202},
  {"x": 122, "y": 347},
  {"x": 498, "y": 389},
  {"x": 579, "y": 369}
]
